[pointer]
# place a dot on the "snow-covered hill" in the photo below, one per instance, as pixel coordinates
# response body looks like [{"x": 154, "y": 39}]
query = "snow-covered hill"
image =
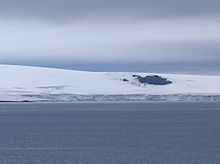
[{"x": 18, "y": 83}]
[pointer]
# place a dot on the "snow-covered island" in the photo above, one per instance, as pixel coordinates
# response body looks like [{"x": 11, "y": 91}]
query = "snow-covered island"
[{"x": 25, "y": 83}]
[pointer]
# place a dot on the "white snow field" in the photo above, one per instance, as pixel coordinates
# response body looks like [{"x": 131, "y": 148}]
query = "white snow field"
[{"x": 19, "y": 83}]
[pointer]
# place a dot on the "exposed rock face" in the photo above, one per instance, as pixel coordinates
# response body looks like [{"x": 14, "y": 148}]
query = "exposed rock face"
[
  {"x": 125, "y": 79},
  {"x": 154, "y": 79}
]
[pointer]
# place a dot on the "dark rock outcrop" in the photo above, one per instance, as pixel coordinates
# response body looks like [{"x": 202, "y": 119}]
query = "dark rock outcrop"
[
  {"x": 152, "y": 79},
  {"x": 125, "y": 79}
]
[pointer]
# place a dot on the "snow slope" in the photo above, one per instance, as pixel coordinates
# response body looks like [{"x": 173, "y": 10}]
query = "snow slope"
[{"x": 19, "y": 83}]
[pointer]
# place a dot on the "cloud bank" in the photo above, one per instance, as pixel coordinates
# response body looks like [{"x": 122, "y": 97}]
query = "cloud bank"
[{"x": 146, "y": 31}]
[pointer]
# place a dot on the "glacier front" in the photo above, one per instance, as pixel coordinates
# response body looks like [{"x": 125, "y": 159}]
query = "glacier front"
[{"x": 26, "y": 83}]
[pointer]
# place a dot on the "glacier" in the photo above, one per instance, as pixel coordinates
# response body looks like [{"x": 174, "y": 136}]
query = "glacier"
[{"x": 39, "y": 84}]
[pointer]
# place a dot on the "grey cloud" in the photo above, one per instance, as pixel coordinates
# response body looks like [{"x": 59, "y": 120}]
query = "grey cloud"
[
  {"x": 186, "y": 39},
  {"x": 100, "y": 31},
  {"x": 61, "y": 10}
]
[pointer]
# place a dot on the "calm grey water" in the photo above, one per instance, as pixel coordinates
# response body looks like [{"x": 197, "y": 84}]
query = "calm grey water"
[{"x": 110, "y": 133}]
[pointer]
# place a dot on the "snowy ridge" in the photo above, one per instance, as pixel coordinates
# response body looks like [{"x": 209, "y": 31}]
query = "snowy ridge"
[{"x": 19, "y": 83}]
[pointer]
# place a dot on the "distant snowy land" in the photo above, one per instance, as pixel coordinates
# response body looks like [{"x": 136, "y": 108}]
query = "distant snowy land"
[{"x": 26, "y": 83}]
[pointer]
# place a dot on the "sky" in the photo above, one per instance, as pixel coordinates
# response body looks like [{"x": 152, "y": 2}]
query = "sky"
[{"x": 112, "y": 35}]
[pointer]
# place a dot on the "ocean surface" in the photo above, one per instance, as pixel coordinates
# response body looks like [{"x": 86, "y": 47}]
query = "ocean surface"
[{"x": 110, "y": 133}]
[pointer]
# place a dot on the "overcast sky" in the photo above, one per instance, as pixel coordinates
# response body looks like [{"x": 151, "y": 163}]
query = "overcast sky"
[{"x": 105, "y": 35}]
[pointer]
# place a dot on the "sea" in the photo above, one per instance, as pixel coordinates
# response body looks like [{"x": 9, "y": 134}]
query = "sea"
[{"x": 110, "y": 133}]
